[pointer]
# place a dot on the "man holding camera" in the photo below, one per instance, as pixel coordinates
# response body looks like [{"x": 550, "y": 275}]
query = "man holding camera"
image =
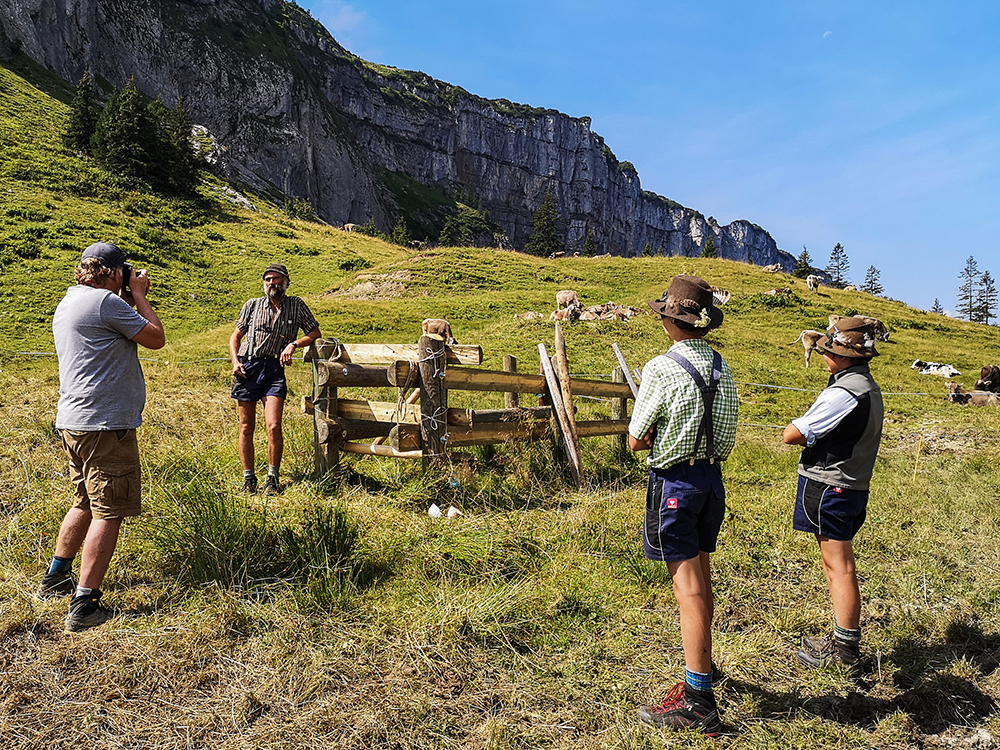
[
  {"x": 264, "y": 342},
  {"x": 102, "y": 393}
]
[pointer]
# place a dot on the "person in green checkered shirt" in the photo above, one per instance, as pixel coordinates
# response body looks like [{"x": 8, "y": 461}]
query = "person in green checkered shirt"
[{"x": 685, "y": 415}]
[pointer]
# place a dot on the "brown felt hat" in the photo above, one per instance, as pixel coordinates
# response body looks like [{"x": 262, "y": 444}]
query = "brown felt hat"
[
  {"x": 689, "y": 299},
  {"x": 277, "y": 268},
  {"x": 849, "y": 337}
]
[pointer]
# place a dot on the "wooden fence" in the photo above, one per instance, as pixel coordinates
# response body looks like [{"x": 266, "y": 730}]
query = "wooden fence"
[{"x": 421, "y": 425}]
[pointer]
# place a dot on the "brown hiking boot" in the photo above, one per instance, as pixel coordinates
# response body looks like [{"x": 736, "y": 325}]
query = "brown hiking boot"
[{"x": 829, "y": 652}]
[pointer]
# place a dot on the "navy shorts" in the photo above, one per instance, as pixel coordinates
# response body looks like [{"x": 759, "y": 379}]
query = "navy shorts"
[
  {"x": 832, "y": 512},
  {"x": 265, "y": 377},
  {"x": 685, "y": 507}
]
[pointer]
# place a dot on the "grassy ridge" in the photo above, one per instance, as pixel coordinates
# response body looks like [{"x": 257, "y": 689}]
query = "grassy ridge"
[{"x": 344, "y": 616}]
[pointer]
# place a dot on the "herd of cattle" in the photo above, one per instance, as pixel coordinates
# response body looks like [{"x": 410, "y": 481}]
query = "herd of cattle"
[{"x": 569, "y": 308}]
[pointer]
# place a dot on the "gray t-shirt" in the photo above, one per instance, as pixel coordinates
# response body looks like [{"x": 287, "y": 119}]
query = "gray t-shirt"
[{"x": 101, "y": 386}]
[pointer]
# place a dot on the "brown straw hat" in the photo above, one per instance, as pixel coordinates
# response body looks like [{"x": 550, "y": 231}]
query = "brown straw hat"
[
  {"x": 689, "y": 299},
  {"x": 849, "y": 337}
]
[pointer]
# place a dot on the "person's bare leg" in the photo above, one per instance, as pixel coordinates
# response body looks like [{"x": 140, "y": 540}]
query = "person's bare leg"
[
  {"x": 97, "y": 551},
  {"x": 248, "y": 422},
  {"x": 841, "y": 576},
  {"x": 693, "y": 591},
  {"x": 274, "y": 408},
  {"x": 72, "y": 532}
]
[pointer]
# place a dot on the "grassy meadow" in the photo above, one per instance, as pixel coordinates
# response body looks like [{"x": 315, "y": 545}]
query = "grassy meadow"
[{"x": 341, "y": 615}]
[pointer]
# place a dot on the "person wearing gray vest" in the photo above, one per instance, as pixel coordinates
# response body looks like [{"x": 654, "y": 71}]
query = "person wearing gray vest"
[{"x": 841, "y": 432}]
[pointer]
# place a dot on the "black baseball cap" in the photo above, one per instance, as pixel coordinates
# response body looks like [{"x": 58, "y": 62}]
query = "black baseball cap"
[{"x": 109, "y": 255}]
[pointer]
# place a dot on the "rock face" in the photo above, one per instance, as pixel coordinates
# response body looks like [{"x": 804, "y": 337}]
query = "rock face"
[{"x": 298, "y": 114}]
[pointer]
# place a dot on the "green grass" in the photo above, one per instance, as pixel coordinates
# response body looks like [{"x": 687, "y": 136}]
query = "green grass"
[{"x": 343, "y": 616}]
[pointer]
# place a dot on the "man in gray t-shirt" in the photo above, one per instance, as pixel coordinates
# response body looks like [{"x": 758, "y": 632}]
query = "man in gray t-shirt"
[{"x": 101, "y": 396}]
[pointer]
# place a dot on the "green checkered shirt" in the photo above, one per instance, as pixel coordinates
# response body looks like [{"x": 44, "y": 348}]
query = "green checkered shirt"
[{"x": 670, "y": 399}]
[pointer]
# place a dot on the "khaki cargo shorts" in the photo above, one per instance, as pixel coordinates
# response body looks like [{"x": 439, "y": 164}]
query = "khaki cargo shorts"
[{"x": 104, "y": 469}]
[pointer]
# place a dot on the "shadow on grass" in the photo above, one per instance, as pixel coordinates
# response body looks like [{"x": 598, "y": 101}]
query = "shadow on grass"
[{"x": 933, "y": 699}]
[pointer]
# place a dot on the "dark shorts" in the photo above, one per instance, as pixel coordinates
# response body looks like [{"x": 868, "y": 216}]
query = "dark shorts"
[
  {"x": 104, "y": 469},
  {"x": 265, "y": 377},
  {"x": 832, "y": 512},
  {"x": 685, "y": 506}
]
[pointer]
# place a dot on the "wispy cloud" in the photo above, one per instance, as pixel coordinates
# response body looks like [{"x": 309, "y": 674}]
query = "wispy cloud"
[
  {"x": 826, "y": 34},
  {"x": 341, "y": 19}
]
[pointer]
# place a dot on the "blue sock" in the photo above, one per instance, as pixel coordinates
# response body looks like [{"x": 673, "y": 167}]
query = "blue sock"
[
  {"x": 61, "y": 565},
  {"x": 698, "y": 681}
]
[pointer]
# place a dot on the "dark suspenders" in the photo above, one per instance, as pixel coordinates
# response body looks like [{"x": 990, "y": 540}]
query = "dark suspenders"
[{"x": 708, "y": 392}]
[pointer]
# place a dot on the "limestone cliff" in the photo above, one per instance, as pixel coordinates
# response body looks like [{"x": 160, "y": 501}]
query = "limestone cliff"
[{"x": 296, "y": 112}]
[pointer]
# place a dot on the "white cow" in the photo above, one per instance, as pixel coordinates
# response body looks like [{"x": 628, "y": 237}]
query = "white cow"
[{"x": 813, "y": 282}]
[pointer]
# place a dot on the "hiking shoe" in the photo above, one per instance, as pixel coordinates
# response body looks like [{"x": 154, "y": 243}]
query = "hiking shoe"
[
  {"x": 684, "y": 708},
  {"x": 271, "y": 485},
  {"x": 60, "y": 583},
  {"x": 87, "y": 612},
  {"x": 718, "y": 676},
  {"x": 250, "y": 485},
  {"x": 829, "y": 652}
]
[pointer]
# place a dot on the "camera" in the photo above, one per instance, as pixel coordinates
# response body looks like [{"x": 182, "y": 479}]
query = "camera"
[{"x": 126, "y": 275}]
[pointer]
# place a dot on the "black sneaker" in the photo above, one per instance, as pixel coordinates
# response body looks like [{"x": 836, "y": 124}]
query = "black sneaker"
[
  {"x": 60, "y": 583},
  {"x": 684, "y": 708},
  {"x": 829, "y": 652},
  {"x": 87, "y": 612},
  {"x": 250, "y": 485},
  {"x": 271, "y": 485}
]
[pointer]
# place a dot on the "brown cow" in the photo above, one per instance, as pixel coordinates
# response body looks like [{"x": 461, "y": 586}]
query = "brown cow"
[
  {"x": 565, "y": 298},
  {"x": 530, "y": 315},
  {"x": 571, "y": 313},
  {"x": 438, "y": 327},
  {"x": 809, "y": 339},
  {"x": 958, "y": 395},
  {"x": 989, "y": 379}
]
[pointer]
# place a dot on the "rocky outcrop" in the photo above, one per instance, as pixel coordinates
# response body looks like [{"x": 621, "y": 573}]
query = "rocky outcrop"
[{"x": 298, "y": 114}]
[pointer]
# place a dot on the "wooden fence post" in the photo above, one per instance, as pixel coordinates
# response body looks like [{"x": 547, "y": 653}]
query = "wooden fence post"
[
  {"x": 433, "y": 400},
  {"x": 619, "y": 408},
  {"x": 510, "y": 400},
  {"x": 326, "y": 456}
]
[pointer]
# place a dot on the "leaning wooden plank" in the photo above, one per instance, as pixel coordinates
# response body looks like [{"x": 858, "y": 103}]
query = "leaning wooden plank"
[
  {"x": 556, "y": 395},
  {"x": 561, "y": 364},
  {"x": 433, "y": 401},
  {"x": 379, "y": 450},
  {"x": 378, "y": 354}
]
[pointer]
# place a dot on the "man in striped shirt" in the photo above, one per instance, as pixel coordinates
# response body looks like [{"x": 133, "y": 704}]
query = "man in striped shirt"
[{"x": 264, "y": 342}]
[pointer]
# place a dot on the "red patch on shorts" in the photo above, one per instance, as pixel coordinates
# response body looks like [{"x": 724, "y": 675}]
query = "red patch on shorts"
[
  {"x": 837, "y": 490},
  {"x": 672, "y": 503}
]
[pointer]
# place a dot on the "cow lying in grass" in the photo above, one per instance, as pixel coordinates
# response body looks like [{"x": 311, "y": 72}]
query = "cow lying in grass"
[
  {"x": 958, "y": 395},
  {"x": 934, "y": 368},
  {"x": 989, "y": 379}
]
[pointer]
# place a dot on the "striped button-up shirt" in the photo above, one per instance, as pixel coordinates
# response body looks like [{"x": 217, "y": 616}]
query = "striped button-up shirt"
[
  {"x": 670, "y": 399},
  {"x": 266, "y": 331}
]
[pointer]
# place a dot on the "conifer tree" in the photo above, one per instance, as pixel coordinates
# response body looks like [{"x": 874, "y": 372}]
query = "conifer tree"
[
  {"x": 124, "y": 142},
  {"x": 936, "y": 307},
  {"x": 589, "y": 245},
  {"x": 872, "y": 285},
  {"x": 709, "y": 251},
  {"x": 647, "y": 251},
  {"x": 544, "y": 238},
  {"x": 838, "y": 267},
  {"x": 83, "y": 116},
  {"x": 969, "y": 277},
  {"x": 803, "y": 265},
  {"x": 400, "y": 235},
  {"x": 986, "y": 302},
  {"x": 184, "y": 162}
]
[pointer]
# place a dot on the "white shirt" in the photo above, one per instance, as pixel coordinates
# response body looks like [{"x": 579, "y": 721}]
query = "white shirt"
[{"x": 830, "y": 407}]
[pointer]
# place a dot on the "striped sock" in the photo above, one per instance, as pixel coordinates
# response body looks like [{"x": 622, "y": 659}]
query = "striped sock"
[
  {"x": 844, "y": 634},
  {"x": 698, "y": 681}
]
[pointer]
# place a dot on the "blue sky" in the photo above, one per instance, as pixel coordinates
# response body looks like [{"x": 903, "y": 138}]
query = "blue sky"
[{"x": 874, "y": 125}]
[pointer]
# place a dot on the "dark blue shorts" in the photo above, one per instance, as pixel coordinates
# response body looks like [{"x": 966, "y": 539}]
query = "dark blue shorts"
[
  {"x": 685, "y": 506},
  {"x": 833, "y": 512},
  {"x": 265, "y": 377}
]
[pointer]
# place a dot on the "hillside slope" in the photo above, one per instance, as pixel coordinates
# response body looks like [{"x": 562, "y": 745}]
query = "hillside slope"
[{"x": 298, "y": 114}]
